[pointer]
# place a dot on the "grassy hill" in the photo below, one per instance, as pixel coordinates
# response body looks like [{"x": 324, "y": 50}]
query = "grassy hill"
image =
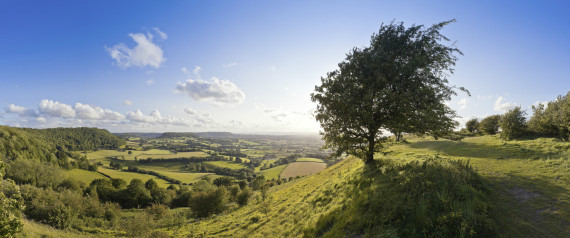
[{"x": 521, "y": 189}]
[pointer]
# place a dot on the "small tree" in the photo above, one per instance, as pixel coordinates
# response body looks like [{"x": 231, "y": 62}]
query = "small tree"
[
  {"x": 472, "y": 125},
  {"x": 490, "y": 124},
  {"x": 512, "y": 124},
  {"x": 12, "y": 205}
]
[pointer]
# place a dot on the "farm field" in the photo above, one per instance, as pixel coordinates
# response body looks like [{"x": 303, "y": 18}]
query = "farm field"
[
  {"x": 272, "y": 173},
  {"x": 128, "y": 176},
  {"x": 302, "y": 169},
  {"x": 84, "y": 175},
  {"x": 172, "y": 155},
  {"x": 224, "y": 164},
  {"x": 309, "y": 160}
]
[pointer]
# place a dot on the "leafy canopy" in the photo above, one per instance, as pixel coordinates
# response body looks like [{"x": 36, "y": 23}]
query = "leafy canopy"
[{"x": 399, "y": 83}]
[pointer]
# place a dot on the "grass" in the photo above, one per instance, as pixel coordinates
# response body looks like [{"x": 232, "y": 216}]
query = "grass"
[
  {"x": 84, "y": 175},
  {"x": 272, "y": 173},
  {"x": 33, "y": 229},
  {"x": 173, "y": 156},
  {"x": 102, "y": 155},
  {"x": 309, "y": 160},
  {"x": 302, "y": 169},
  {"x": 128, "y": 176},
  {"x": 173, "y": 170},
  {"x": 530, "y": 179},
  {"x": 528, "y": 184},
  {"x": 224, "y": 164}
]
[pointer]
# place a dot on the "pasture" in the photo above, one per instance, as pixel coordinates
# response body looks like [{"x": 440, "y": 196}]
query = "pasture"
[
  {"x": 302, "y": 169},
  {"x": 272, "y": 173}
]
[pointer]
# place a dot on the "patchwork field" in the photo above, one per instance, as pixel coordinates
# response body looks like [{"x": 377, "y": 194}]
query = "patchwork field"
[
  {"x": 128, "y": 176},
  {"x": 272, "y": 173},
  {"x": 173, "y": 156},
  {"x": 309, "y": 160},
  {"x": 84, "y": 175},
  {"x": 224, "y": 164},
  {"x": 302, "y": 169}
]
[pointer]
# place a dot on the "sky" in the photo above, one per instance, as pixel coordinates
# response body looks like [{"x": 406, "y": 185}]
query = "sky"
[{"x": 250, "y": 66}]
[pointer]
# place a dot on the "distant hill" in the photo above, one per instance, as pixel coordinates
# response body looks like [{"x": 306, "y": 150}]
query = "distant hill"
[
  {"x": 19, "y": 143},
  {"x": 216, "y": 134},
  {"x": 176, "y": 134},
  {"x": 79, "y": 138},
  {"x": 139, "y": 134}
]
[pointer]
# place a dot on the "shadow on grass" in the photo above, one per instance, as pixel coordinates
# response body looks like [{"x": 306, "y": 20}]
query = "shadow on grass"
[
  {"x": 525, "y": 207},
  {"x": 467, "y": 149}
]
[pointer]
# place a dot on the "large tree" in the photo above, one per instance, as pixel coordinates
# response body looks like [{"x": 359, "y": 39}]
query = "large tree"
[{"x": 399, "y": 83}]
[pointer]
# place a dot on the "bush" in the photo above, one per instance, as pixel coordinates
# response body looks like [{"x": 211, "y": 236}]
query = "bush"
[
  {"x": 203, "y": 204},
  {"x": 490, "y": 125},
  {"x": 243, "y": 197},
  {"x": 472, "y": 125},
  {"x": 12, "y": 205},
  {"x": 512, "y": 124},
  {"x": 157, "y": 211}
]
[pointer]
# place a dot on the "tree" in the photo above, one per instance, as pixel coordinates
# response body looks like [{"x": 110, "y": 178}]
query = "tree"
[
  {"x": 472, "y": 125},
  {"x": 490, "y": 124},
  {"x": 399, "y": 83},
  {"x": 552, "y": 119},
  {"x": 512, "y": 124},
  {"x": 12, "y": 205}
]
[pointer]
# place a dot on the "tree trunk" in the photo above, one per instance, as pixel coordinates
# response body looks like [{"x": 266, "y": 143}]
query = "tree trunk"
[{"x": 370, "y": 152}]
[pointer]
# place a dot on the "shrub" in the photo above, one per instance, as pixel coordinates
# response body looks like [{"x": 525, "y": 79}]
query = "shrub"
[
  {"x": 472, "y": 125},
  {"x": 243, "y": 197},
  {"x": 203, "y": 204},
  {"x": 512, "y": 124},
  {"x": 157, "y": 211},
  {"x": 490, "y": 125}
]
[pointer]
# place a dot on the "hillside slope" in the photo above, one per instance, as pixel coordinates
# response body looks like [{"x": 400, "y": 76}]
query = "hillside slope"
[{"x": 433, "y": 197}]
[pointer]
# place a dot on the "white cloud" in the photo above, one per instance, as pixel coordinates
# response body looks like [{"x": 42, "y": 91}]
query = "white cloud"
[
  {"x": 161, "y": 34},
  {"x": 272, "y": 68},
  {"x": 84, "y": 111},
  {"x": 127, "y": 103},
  {"x": 155, "y": 118},
  {"x": 503, "y": 107},
  {"x": 56, "y": 109},
  {"x": 138, "y": 116},
  {"x": 232, "y": 64},
  {"x": 463, "y": 103},
  {"x": 274, "y": 113},
  {"x": 21, "y": 111},
  {"x": 200, "y": 118},
  {"x": 41, "y": 120},
  {"x": 218, "y": 91},
  {"x": 190, "y": 111},
  {"x": 145, "y": 53},
  {"x": 197, "y": 70},
  {"x": 236, "y": 123},
  {"x": 150, "y": 81}
]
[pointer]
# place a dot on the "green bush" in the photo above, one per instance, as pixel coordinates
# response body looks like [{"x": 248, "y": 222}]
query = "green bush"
[
  {"x": 203, "y": 204},
  {"x": 243, "y": 197},
  {"x": 513, "y": 124},
  {"x": 472, "y": 125},
  {"x": 490, "y": 125}
]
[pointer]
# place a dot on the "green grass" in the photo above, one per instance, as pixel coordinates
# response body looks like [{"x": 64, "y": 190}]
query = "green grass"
[
  {"x": 530, "y": 179},
  {"x": 309, "y": 160},
  {"x": 33, "y": 229},
  {"x": 528, "y": 194},
  {"x": 84, "y": 175},
  {"x": 173, "y": 170},
  {"x": 128, "y": 176},
  {"x": 302, "y": 169},
  {"x": 173, "y": 156},
  {"x": 224, "y": 164},
  {"x": 272, "y": 173},
  {"x": 103, "y": 155}
]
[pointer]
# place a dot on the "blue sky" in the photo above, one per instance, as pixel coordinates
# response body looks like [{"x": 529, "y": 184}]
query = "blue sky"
[{"x": 249, "y": 66}]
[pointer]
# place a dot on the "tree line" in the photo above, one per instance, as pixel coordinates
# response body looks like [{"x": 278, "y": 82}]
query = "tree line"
[{"x": 548, "y": 120}]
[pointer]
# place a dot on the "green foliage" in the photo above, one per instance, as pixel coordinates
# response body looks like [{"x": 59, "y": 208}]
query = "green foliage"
[
  {"x": 513, "y": 124},
  {"x": 434, "y": 198},
  {"x": 223, "y": 181},
  {"x": 11, "y": 207},
  {"x": 243, "y": 197},
  {"x": 472, "y": 125},
  {"x": 34, "y": 172},
  {"x": 553, "y": 120},
  {"x": 490, "y": 125},
  {"x": 80, "y": 138},
  {"x": 206, "y": 203},
  {"x": 398, "y": 83}
]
